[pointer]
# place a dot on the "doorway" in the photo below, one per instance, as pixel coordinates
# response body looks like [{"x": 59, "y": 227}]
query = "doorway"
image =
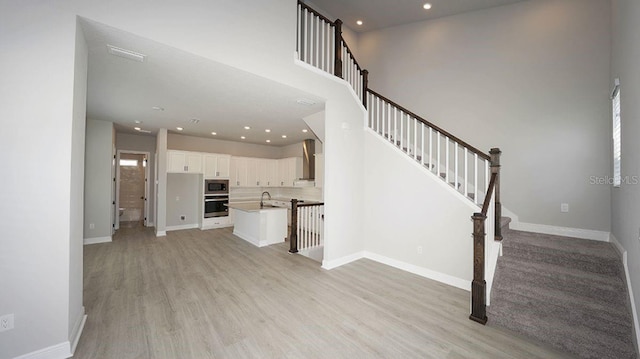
[{"x": 132, "y": 190}]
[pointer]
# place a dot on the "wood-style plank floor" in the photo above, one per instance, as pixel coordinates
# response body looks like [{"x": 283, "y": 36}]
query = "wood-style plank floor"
[{"x": 209, "y": 294}]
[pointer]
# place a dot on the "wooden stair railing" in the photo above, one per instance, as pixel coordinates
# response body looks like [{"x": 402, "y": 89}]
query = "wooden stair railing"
[
  {"x": 306, "y": 225},
  {"x": 468, "y": 170}
]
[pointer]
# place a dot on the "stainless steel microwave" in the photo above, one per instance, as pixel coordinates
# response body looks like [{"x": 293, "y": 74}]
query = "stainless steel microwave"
[{"x": 216, "y": 186}]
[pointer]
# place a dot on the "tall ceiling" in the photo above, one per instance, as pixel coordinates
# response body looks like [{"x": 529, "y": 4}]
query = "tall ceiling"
[
  {"x": 378, "y": 14},
  {"x": 186, "y": 87}
]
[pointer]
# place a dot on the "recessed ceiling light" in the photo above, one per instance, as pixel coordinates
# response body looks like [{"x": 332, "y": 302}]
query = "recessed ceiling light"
[
  {"x": 242, "y": 137},
  {"x": 305, "y": 130},
  {"x": 214, "y": 133},
  {"x": 179, "y": 128},
  {"x": 247, "y": 127},
  {"x": 157, "y": 108},
  {"x": 267, "y": 130},
  {"x": 127, "y": 54},
  {"x": 359, "y": 22},
  {"x": 137, "y": 122},
  {"x": 137, "y": 128},
  {"x": 268, "y": 141},
  {"x": 426, "y": 6},
  {"x": 284, "y": 136}
]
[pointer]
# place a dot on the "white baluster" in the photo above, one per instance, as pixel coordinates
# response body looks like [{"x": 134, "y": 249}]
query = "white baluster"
[
  {"x": 422, "y": 150},
  {"x": 446, "y": 160},
  {"x": 438, "y": 153},
  {"x": 486, "y": 176},
  {"x": 466, "y": 171},
  {"x": 455, "y": 161},
  {"x": 431, "y": 166},
  {"x": 475, "y": 178},
  {"x": 415, "y": 138},
  {"x": 300, "y": 33}
]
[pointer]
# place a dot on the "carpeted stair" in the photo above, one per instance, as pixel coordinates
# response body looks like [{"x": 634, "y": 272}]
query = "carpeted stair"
[{"x": 568, "y": 293}]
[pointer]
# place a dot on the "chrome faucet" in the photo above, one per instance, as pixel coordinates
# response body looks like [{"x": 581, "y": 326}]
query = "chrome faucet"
[{"x": 262, "y": 198}]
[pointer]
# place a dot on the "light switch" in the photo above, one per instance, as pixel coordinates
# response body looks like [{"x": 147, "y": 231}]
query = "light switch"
[{"x": 564, "y": 207}]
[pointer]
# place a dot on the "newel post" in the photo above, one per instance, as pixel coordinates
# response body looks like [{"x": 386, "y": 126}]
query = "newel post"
[
  {"x": 338, "y": 48},
  {"x": 365, "y": 86},
  {"x": 293, "y": 236},
  {"x": 495, "y": 168},
  {"x": 479, "y": 285}
]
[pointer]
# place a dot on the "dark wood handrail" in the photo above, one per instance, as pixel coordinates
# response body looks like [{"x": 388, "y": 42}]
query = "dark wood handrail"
[
  {"x": 310, "y": 204},
  {"x": 487, "y": 198},
  {"x": 305, "y": 6},
  {"x": 444, "y": 132}
]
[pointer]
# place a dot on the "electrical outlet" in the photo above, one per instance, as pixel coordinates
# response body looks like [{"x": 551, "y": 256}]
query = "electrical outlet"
[
  {"x": 177, "y": 198},
  {"x": 183, "y": 217},
  {"x": 92, "y": 226},
  {"x": 564, "y": 207},
  {"x": 419, "y": 249},
  {"x": 6, "y": 322}
]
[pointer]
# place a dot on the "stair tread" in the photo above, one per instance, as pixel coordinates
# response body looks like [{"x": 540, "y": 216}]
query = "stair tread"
[
  {"x": 564, "y": 244},
  {"x": 589, "y": 314},
  {"x": 583, "y": 341}
]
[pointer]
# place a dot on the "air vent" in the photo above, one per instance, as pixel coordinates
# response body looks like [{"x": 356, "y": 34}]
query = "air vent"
[
  {"x": 305, "y": 101},
  {"x": 127, "y": 54},
  {"x": 195, "y": 121}
]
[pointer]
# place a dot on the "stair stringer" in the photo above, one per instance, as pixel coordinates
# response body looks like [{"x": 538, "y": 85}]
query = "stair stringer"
[{"x": 407, "y": 207}]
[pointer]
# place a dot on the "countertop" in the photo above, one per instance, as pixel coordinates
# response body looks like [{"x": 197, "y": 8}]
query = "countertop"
[{"x": 254, "y": 207}]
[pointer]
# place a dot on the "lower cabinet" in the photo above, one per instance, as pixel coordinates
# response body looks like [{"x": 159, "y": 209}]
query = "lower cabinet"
[{"x": 216, "y": 222}]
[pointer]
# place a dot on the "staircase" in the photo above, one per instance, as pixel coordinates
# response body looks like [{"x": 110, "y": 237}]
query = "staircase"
[{"x": 568, "y": 293}]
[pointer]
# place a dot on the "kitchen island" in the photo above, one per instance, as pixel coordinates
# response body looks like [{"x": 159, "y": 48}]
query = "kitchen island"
[{"x": 260, "y": 226}]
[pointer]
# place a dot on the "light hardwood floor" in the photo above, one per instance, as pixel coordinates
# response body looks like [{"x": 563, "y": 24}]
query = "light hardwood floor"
[{"x": 209, "y": 294}]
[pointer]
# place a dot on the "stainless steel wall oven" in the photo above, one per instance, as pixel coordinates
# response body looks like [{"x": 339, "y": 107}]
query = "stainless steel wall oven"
[{"x": 216, "y": 198}]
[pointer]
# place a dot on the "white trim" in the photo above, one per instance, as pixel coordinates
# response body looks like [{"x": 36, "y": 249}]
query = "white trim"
[
  {"x": 77, "y": 330},
  {"x": 181, "y": 227},
  {"x": 58, "y": 351},
  {"x": 335, "y": 263},
  {"x": 151, "y": 224},
  {"x": 161, "y": 233},
  {"x": 561, "y": 231},
  {"x": 97, "y": 240},
  {"x": 634, "y": 312},
  {"x": 421, "y": 271}
]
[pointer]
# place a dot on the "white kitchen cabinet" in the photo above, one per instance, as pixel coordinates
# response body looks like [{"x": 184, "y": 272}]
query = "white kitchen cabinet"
[
  {"x": 289, "y": 170},
  {"x": 216, "y": 165},
  {"x": 252, "y": 172},
  {"x": 319, "y": 169},
  {"x": 184, "y": 162},
  {"x": 238, "y": 176}
]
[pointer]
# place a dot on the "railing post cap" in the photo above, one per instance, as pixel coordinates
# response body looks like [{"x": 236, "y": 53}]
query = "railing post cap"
[
  {"x": 495, "y": 151},
  {"x": 478, "y": 215},
  {"x": 338, "y": 22}
]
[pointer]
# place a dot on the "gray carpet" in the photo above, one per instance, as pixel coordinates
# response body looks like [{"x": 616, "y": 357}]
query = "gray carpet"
[{"x": 569, "y": 293}]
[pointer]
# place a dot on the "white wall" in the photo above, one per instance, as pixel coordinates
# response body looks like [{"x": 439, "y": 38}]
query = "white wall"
[
  {"x": 43, "y": 142},
  {"x": 141, "y": 143},
  {"x": 37, "y": 94},
  {"x": 530, "y": 78},
  {"x": 626, "y": 199},
  {"x": 211, "y": 145},
  {"x": 76, "y": 315},
  {"x": 184, "y": 198},
  {"x": 98, "y": 182},
  {"x": 406, "y": 207}
]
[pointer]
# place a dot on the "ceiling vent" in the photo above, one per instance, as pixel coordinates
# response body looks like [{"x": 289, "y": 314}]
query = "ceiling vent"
[
  {"x": 195, "y": 121},
  {"x": 305, "y": 101},
  {"x": 127, "y": 54}
]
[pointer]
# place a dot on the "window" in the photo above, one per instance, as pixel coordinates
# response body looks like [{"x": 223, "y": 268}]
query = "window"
[
  {"x": 133, "y": 163},
  {"x": 617, "y": 150}
]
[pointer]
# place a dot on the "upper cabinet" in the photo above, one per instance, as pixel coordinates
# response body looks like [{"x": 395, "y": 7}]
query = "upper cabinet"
[
  {"x": 261, "y": 172},
  {"x": 216, "y": 165},
  {"x": 184, "y": 162}
]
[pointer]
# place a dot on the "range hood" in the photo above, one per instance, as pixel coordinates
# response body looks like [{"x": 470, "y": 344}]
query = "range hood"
[{"x": 308, "y": 164}]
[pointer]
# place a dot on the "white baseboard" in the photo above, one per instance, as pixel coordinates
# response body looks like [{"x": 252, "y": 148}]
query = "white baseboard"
[
  {"x": 561, "y": 231},
  {"x": 97, "y": 240},
  {"x": 77, "y": 330},
  {"x": 335, "y": 263},
  {"x": 150, "y": 224},
  {"x": 161, "y": 233},
  {"x": 421, "y": 271},
  {"x": 634, "y": 312},
  {"x": 58, "y": 351},
  {"x": 181, "y": 227}
]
